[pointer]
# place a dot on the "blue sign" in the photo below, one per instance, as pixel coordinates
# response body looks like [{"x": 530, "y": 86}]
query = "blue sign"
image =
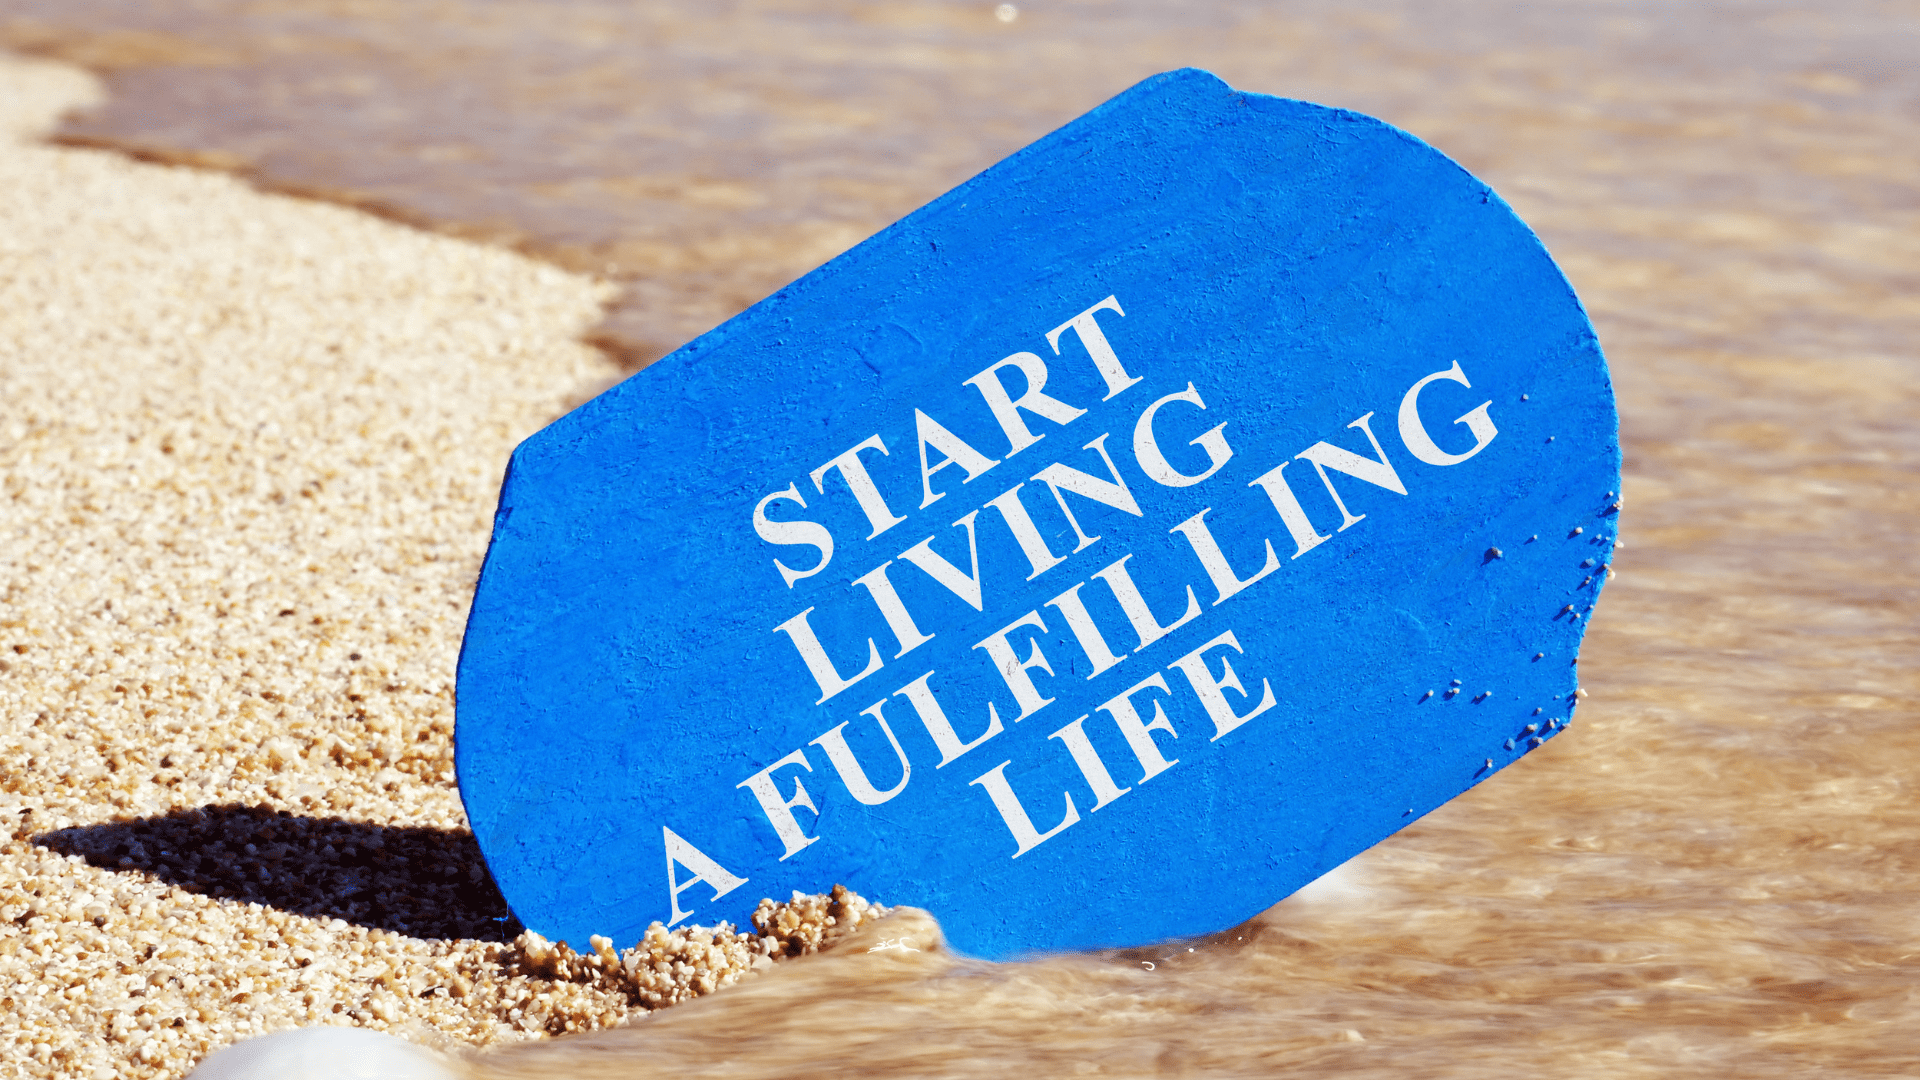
[{"x": 1097, "y": 555}]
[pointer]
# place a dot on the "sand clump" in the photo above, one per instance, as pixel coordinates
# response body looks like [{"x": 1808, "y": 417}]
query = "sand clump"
[
  {"x": 249, "y": 448},
  {"x": 667, "y": 968}
]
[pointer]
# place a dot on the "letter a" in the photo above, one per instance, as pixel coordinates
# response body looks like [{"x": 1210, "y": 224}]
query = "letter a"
[
  {"x": 703, "y": 867},
  {"x": 933, "y": 433}
]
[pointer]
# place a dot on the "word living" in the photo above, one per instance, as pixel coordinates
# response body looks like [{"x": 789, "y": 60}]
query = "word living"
[{"x": 941, "y": 449}]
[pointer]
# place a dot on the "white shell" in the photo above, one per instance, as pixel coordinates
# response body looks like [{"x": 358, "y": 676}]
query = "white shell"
[{"x": 324, "y": 1053}]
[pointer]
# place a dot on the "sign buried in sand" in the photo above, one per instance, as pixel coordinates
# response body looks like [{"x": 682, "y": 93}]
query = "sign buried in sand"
[{"x": 1099, "y": 554}]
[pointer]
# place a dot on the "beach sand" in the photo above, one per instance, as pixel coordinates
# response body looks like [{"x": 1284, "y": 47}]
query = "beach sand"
[{"x": 249, "y": 447}]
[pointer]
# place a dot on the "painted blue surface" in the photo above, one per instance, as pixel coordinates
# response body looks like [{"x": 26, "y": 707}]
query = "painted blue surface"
[{"x": 1300, "y": 267}]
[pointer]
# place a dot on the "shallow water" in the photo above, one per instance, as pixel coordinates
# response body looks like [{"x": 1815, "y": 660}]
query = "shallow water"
[{"x": 1712, "y": 874}]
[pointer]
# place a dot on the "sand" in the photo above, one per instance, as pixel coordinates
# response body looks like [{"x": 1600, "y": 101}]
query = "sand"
[{"x": 250, "y": 448}]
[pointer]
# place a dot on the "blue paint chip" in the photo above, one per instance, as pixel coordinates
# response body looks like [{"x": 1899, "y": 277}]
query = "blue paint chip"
[{"x": 1067, "y": 559}]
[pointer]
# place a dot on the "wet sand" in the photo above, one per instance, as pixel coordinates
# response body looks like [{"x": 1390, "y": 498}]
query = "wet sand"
[{"x": 1709, "y": 875}]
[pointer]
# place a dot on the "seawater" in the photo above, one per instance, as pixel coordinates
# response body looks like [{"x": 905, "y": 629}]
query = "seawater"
[{"x": 1712, "y": 874}]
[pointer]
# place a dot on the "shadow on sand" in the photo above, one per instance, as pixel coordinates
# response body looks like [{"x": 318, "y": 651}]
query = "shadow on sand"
[{"x": 423, "y": 882}]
